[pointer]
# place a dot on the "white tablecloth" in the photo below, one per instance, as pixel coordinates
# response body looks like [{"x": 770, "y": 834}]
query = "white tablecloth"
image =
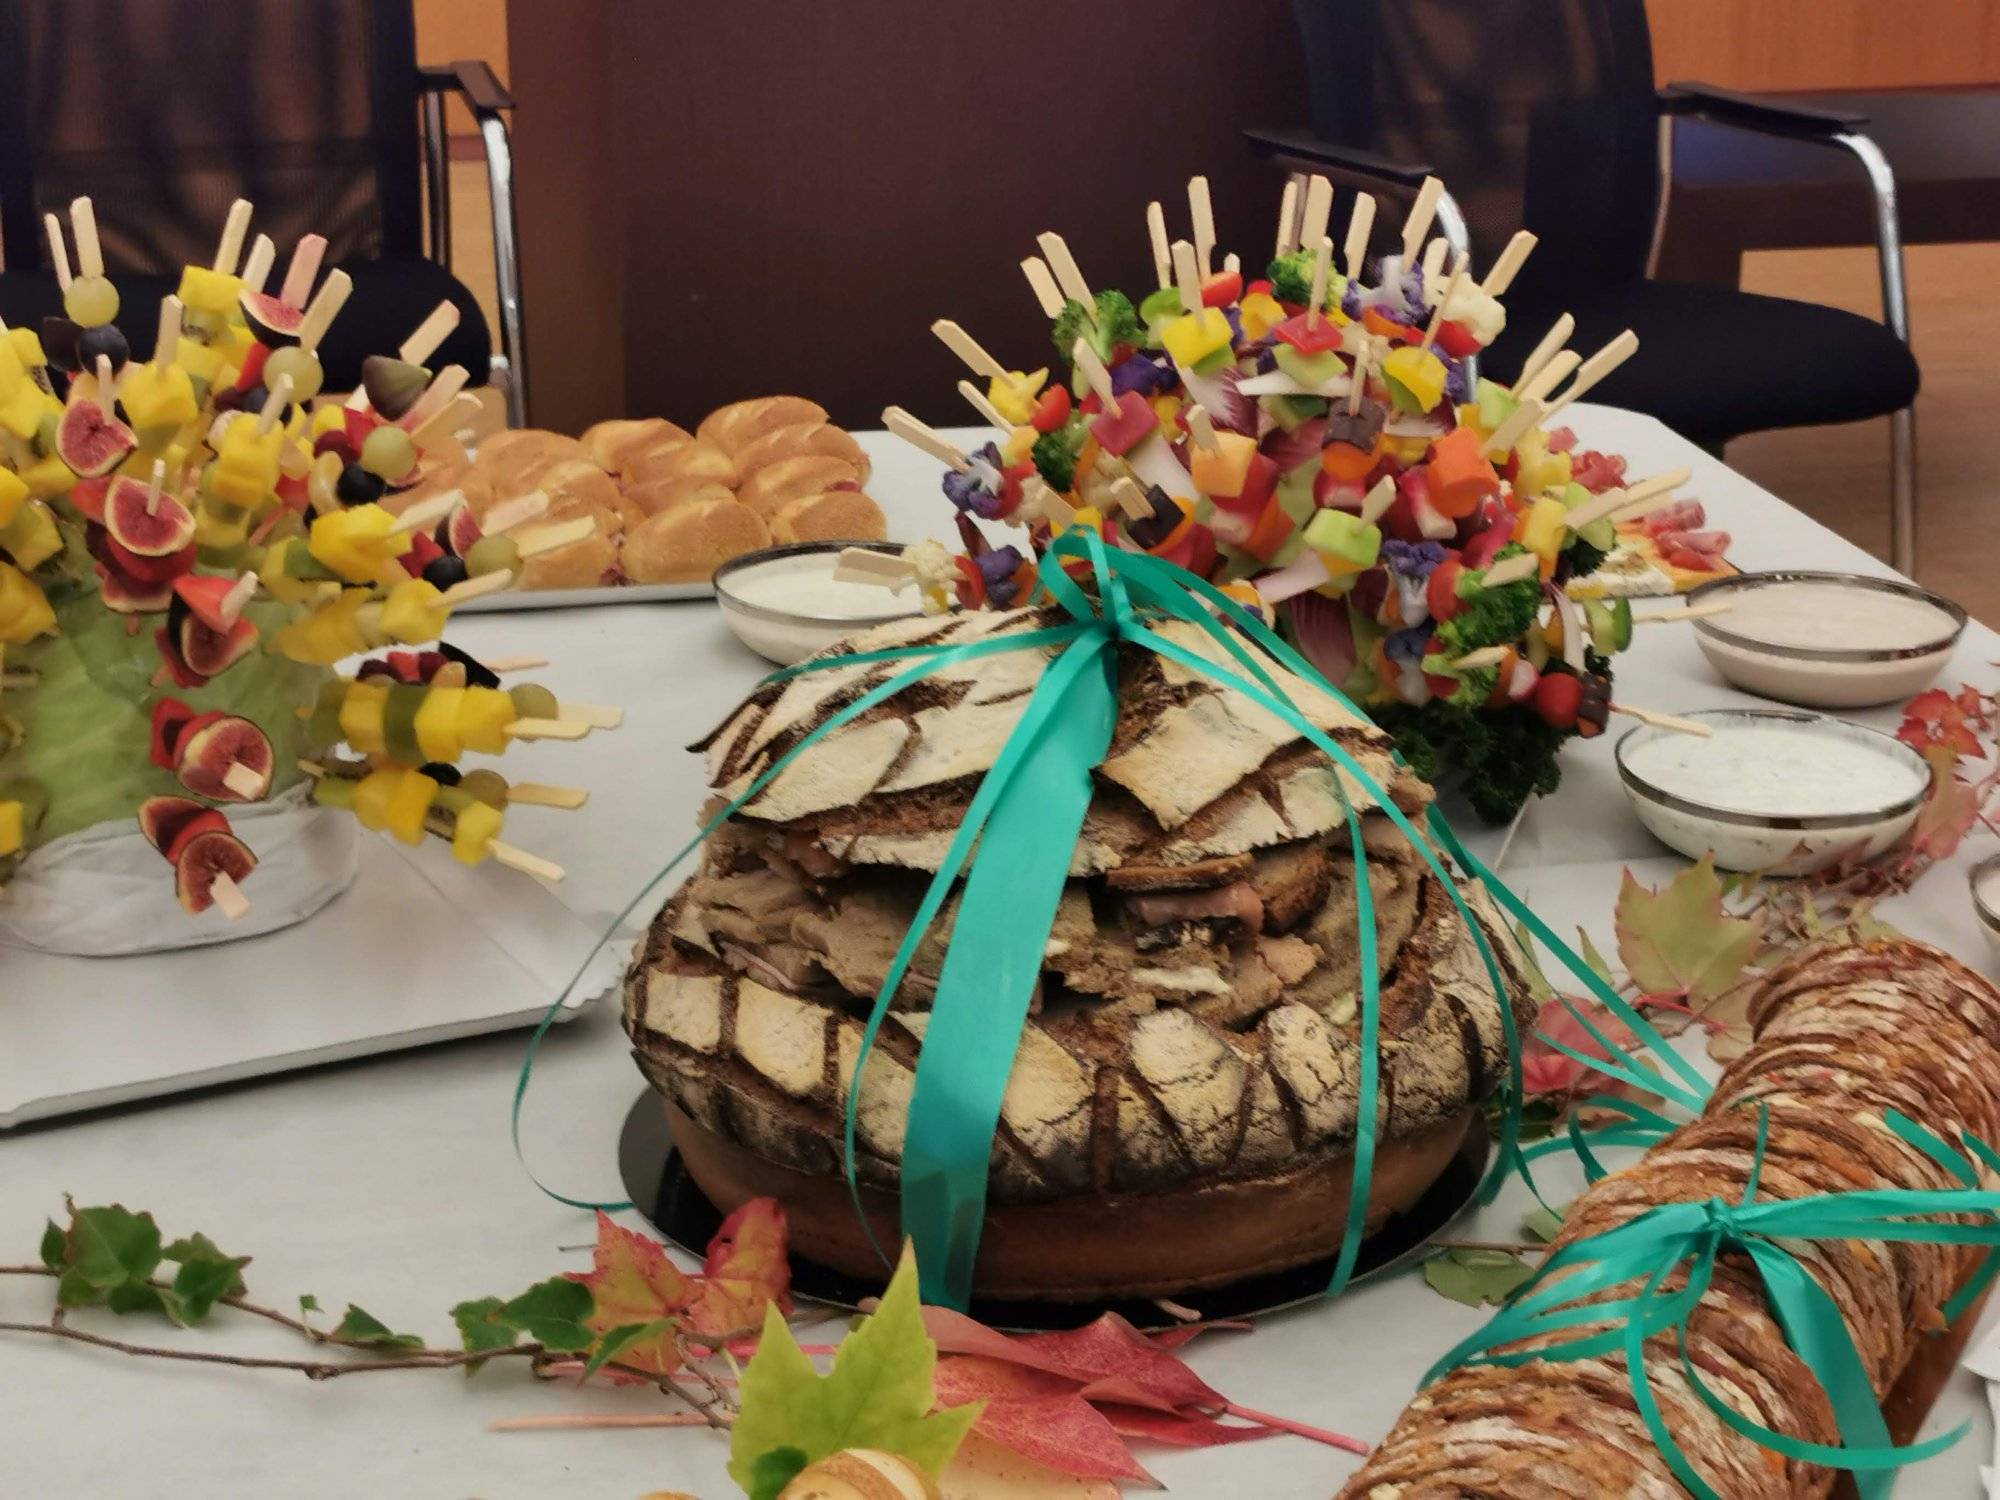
[{"x": 391, "y": 1182}]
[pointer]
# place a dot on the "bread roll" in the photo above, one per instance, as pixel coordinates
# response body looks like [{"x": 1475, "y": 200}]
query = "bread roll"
[
  {"x": 834, "y": 516},
  {"x": 515, "y": 459},
  {"x": 453, "y": 474},
  {"x": 800, "y": 440},
  {"x": 579, "y": 488},
  {"x": 655, "y": 495},
  {"x": 584, "y": 564},
  {"x": 789, "y": 478},
  {"x": 732, "y": 427},
  {"x": 612, "y": 444},
  {"x": 691, "y": 460},
  {"x": 689, "y": 542}
]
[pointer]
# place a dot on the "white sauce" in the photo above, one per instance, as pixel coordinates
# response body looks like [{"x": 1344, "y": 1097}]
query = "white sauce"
[
  {"x": 1987, "y": 889},
  {"x": 1825, "y": 615},
  {"x": 1778, "y": 771},
  {"x": 805, "y": 585}
]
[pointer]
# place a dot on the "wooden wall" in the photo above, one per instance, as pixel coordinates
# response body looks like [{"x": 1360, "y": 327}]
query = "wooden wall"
[
  {"x": 1826, "y": 44},
  {"x": 451, "y": 29}
]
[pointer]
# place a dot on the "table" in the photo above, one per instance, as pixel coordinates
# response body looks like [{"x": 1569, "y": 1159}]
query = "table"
[
  {"x": 1734, "y": 190},
  {"x": 392, "y": 1183}
]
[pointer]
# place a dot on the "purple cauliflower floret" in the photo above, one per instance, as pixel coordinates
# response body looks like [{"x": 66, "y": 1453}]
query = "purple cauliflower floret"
[
  {"x": 998, "y": 567},
  {"x": 1406, "y": 645},
  {"x": 968, "y": 489},
  {"x": 1412, "y": 559}
]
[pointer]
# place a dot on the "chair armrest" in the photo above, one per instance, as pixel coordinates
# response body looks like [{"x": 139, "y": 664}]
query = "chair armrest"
[
  {"x": 472, "y": 80},
  {"x": 1758, "y": 112},
  {"x": 1340, "y": 161}
]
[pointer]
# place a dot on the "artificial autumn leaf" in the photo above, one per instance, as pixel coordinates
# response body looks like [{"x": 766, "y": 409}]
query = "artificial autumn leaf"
[
  {"x": 879, "y": 1393},
  {"x": 1037, "y": 1415},
  {"x": 615, "y": 1344},
  {"x": 1542, "y": 1224},
  {"x": 632, "y": 1282},
  {"x": 361, "y": 1327},
  {"x": 1539, "y": 987},
  {"x": 1949, "y": 810},
  {"x": 1727, "y": 1021},
  {"x": 1935, "y": 719},
  {"x": 1478, "y": 1278},
  {"x": 746, "y": 1270},
  {"x": 1109, "y": 1359},
  {"x": 1178, "y": 1429},
  {"x": 1678, "y": 940},
  {"x": 983, "y": 1470},
  {"x": 1545, "y": 1070}
]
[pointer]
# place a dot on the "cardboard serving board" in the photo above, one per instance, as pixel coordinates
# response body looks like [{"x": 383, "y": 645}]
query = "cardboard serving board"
[{"x": 611, "y": 593}]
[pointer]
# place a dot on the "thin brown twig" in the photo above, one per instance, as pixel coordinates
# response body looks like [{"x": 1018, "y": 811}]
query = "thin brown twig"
[
  {"x": 576, "y": 1421},
  {"x": 424, "y": 1359},
  {"x": 240, "y": 1304},
  {"x": 1509, "y": 1247}
]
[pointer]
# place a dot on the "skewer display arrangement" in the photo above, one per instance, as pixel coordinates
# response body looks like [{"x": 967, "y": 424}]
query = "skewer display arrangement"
[
  {"x": 1313, "y": 442},
  {"x": 191, "y": 542}
]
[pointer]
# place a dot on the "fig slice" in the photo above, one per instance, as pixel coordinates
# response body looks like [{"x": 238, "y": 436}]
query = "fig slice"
[
  {"x": 228, "y": 760},
  {"x": 171, "y": 718},
  {"x": 169, "y": 822},
  {"x": 202, "y": 859},
  {"x": 92, "y": 441},
  {"x": 147, "y": 522},
  {"x": 459, "y": 531},
  {"x": 211, "y": 652},
  {"x": 132, "y": 596},
  {"x": 274, "y": 320}
]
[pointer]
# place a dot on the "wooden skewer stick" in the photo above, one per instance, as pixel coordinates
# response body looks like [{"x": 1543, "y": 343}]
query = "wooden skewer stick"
[
  {"x": 972, "y": 352},
  {"x": 580, "y": 1421},
  {"x": 1599, "y": 365},
  {"x": 1485, "y": 656},
  {"x": 478, "y": 587},
  {"x": 1357, "y": 379},
  {"x": 537, "y": 794},
  {"x": 452, "y": 418},
  {"x": 257, "y": 265},
  {"x": 241, "y": 780},
  {"x": 1664, "y": 721},
  {"x": 1288, "y": 218},
  {"x": 1551, "y": 375},
  {"x": 516, "y": 512},
  {"x": 424, "y": 512},
  {"x": 1201, "y": 428},
  {"x": 1509, "y": 432},
  {"x": 1043, "y": 284},
  {"x": 1322, "y": 260},
  {"x": 228, "y": 897},
  {"x": 526, "y": 863},
  {"x": 1706, "y": 611},
  {"x": 1187, "y": 274},
  {"x": 428, "y": 335},
  {"x": 1156, "y": 234},
  {"x": 154, "y": 482},
  {"x": 1418, "y": 224},
  {"x": 299, "y": 275},
  {"x": 230, "y": 246},
  {"x": 438, "y": 395},
  {"x": 1618, "y": 502},
  {"x": 1554, "y": 339},
  {"x": 1047, "y": 504},
  {"x": 1503, "y": 271},
  {"x": 1360, "y": 224},
  {"x": 1129, "y": 498},
  {"x": 238, "y": 598},
  {"x": 918, "y": 435},
  {"x": 889, "y": 570},
  {"x": 275, "y": 403},
  {"x": 988, "y": 412},
  {"x": 1375, "y": 504},
  {"x": 545, "y": 729},
  {"x": 1232, "y": 263},
  {"x": 1319, "y": 208},
  {"x": 514, "y": 663},
  {"x": 536, "y": 540},
  {"x": 1433, "y": 262},
  {"x": 89, "y": 253},
  {"x": 1511, "y": 570},
  {"x": 107, "y": 381},
  {"x": 1202, "y": 213},
  {"x": 1094, "y": 373},
  {"x": 1067, "y": 275},
  {"x": 58, "y": 251},
  {"x": 167, "y": 341},
  {"x": 326, "y": 305},
  {"x": 596, "y": 715},
  {"x": 1444, "y": 300}
]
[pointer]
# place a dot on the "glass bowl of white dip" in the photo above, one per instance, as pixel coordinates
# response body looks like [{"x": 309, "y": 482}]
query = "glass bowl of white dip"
[
  {"x": 784, "y": 602},
  {"x": 1772, "y": 789},
  {"x": 1984, "y": 879},
  {"x": 1827, "y": 640}
]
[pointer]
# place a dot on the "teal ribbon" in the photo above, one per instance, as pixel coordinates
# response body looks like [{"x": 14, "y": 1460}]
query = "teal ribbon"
[
  {"x": 1023, "y": 821},
  {"x": 1650, "y": 1248}
]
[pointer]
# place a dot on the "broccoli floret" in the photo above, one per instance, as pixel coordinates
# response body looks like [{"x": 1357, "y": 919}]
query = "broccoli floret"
[
  {"x": 1291, "y": 276},
  {"x": 1055, "y": 452},
  {"x": 1498, "y": 757},
  {"x": 1117, "y": 322},
  {"x": 1491, "y": 617},
  {"x": 1583, "y": 559}
]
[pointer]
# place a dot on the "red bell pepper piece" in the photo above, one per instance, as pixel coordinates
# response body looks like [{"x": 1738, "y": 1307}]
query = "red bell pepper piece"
[{"x": 1052, "y": 407}]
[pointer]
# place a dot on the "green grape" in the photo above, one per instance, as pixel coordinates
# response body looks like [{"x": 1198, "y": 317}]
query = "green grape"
[
  {"x": 492, "y": 553},
  {"x": 91, "y": 301},
  {"x": 301, "y": 366},
  {"x": 489, "y": 787},
  {"x": 533, "y": 701},
  {"x": 388, "y": 453}
]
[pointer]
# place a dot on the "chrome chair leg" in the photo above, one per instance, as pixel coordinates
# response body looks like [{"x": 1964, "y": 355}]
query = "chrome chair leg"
[
  {"x": 437, "y": 179},
  {"x": 506, "y": 265}
]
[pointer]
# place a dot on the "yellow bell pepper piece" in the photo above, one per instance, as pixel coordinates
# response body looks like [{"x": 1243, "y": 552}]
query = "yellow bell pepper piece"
[
  {"x": 1418, "y": 371},
  {"x": 1259, "y": 313},
  {"x": 1192, "y": 337},
  {"x": 1014, "y": 397}
]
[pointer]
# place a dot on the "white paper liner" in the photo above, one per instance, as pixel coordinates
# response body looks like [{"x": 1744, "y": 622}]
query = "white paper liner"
[{"x": 104, "y": 890}]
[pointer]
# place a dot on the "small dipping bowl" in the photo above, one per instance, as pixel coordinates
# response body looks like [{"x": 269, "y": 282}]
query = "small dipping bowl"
[
  {"x": 1772, "y": 789},
  {"x": 1827, "y": 640},
  {"x": 1984, "y": 881},
  {"x": 784, "y": 603}
]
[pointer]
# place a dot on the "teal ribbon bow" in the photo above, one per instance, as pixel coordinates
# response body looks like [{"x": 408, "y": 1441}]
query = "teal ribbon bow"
[
  {"x": 1014, "y": 846},
  {"x": 1650, "y": 1248}
]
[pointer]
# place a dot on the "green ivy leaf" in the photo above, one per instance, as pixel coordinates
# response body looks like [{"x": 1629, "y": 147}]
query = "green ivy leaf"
[
  {"x": 774, "y": 1470},
  {"x": 479, "y": 1328},
  {"x": 552, "y": 1313},
  {"x": 619, "y": 1339},
  {"x": 205, "y": 1276},
  {"x": 878, "y": 1394},
  {"x": 361, "y": 1327},
  {"x": 138, "y": 1297},
  {"x": 308, "y": 1305},
  {"x": 1542, "y": 1224},
  {"x": 105, "y": 1249},
  {"x": 52, "y": 1246},
  {"x": 1477, "y": 1278}
]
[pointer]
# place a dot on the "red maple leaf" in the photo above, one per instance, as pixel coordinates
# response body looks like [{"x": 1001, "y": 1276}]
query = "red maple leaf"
[
  {"x": 1935, "y": 717},
  {"x": 746, "y": 1270},
  {"x": 632, "y": 1281},
  {"x": 1109, "y": 1360},
  {"x": 1039, "y": 1416},
  {"x": 1950, "y": 808}
]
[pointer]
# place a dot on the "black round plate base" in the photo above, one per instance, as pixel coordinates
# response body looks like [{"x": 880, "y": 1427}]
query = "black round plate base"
[{"x": 656, "y": 1181}]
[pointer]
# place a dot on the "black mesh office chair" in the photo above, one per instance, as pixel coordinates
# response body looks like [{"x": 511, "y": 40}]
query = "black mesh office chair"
[
  {"x": 165, "y": 111},
  {"x": 1542, "y": 114}
]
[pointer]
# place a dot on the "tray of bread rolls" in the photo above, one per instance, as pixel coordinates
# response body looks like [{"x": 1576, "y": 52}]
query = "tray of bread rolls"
[{"x": 670, "y": 505}]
